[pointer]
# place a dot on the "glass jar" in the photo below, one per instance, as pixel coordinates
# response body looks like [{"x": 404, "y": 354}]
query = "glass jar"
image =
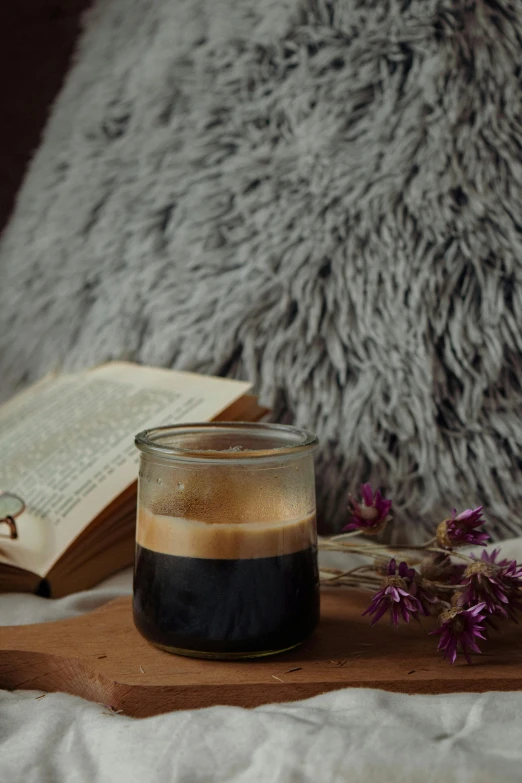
[{"x": 226, "y": 542}]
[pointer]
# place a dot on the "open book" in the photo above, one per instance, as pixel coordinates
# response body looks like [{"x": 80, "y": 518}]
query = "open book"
[{"x": 67, "y": 449}]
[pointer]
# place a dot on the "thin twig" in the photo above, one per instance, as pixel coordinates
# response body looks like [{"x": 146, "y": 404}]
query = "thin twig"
[
  {"x": 339, "y": 572},
  {"x": 452, "y": 554},
  {"x": 342, "y": 536},
  {"x": 360, "y": 578},
  {"x": 344, "y": 582},
  {"x": 440, "y": 585}
]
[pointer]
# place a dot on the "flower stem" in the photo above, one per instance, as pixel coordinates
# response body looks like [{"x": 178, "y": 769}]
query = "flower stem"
[
  {"x": 452, "y": 553},
  {"x": 359, "y": 570},
  {"x": 346, "y": 581},
  {"x": 343, "y": 536},
  {"x": 359, "y": 578}
]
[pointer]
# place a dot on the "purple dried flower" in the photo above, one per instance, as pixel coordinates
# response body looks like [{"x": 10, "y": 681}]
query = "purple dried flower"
[
  {"x": 460, "y": 627},
  {"x": 498, "y": 585},
  {"x": 491, "y": 557},
  {"x": 461, "y": 529},
  {"x": 372, "y": 514},
  {"x": 399, "y": 593}
]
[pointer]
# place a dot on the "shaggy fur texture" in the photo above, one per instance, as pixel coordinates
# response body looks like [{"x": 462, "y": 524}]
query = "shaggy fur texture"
[{"x": 322, "y": 196}]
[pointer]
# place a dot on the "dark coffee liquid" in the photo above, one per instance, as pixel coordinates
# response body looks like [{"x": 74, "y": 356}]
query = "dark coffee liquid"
[{"x": 226, "y": 606}]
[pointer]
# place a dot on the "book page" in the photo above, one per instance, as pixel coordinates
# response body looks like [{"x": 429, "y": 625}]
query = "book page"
[{"x": 67, "y": 446}]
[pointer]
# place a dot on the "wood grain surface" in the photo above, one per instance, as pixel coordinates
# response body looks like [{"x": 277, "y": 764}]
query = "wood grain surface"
[{"x": 102, "y": 657}]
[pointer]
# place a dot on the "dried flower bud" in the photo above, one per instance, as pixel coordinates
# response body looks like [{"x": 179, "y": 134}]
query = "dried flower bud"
[
  {"x": 401, "y": 592},
  {"x": 459, "y": 630},
  {"x": 497, "y": 584},
  {"x": 371, "y": 515},
  {"x": 460, "y": 530},
  {"x": 442, "y": 534},
  {"x": 396, "y": 596}
]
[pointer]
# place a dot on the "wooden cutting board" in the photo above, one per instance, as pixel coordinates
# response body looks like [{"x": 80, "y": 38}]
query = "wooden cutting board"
[{"x": 102, "y": 657}]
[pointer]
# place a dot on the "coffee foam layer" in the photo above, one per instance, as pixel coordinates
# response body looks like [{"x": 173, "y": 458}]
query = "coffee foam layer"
[{"x": 191, "y": 538}]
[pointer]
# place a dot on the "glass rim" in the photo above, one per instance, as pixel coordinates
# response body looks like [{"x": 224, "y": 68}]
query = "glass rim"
[{"x": 147, "y": 441}]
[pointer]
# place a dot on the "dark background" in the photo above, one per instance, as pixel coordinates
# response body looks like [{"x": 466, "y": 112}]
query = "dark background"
[{"x": 37, "y": 39}]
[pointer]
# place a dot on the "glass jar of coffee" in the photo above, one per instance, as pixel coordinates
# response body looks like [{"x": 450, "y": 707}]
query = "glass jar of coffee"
[{"x": 226, "y": 543}]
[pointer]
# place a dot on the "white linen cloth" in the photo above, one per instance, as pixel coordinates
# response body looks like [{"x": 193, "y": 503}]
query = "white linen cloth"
[{"x": 355, "y": 735}]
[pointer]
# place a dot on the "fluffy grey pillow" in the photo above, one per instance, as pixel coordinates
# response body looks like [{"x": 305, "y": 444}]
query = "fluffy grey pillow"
[{"x": 322, "y": 196}]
